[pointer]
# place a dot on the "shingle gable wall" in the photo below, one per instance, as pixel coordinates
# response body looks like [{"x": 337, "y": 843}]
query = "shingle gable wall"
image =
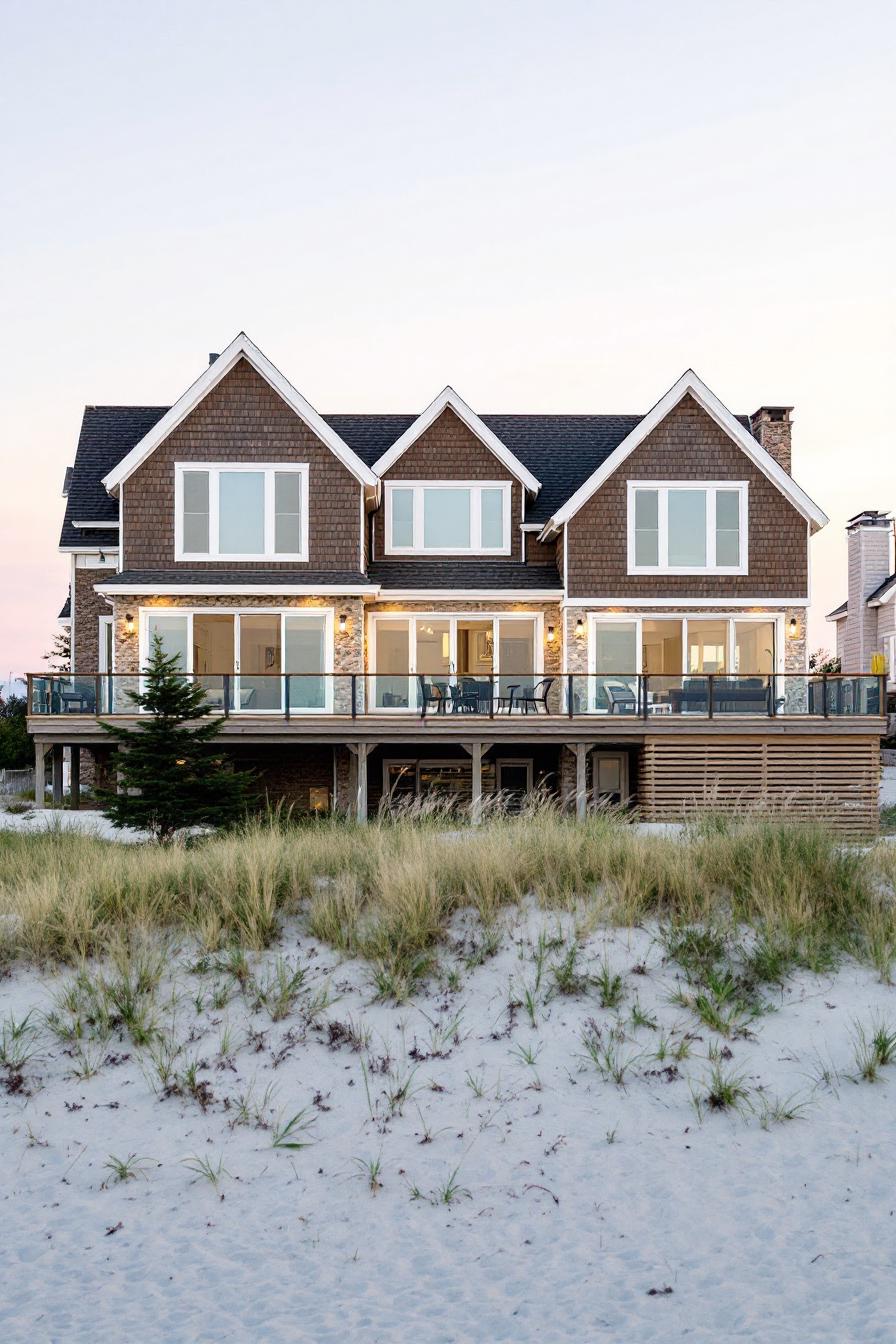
[
  {"x": 688, "y": 445},
  {"x": 243, "y": 419}
]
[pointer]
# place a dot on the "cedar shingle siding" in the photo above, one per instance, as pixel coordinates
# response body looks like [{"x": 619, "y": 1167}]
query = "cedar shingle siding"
[
  {"x": 242, "y": 419},
  {"x": 448, "y": 451},
  {"x": 687, "y": 445}
]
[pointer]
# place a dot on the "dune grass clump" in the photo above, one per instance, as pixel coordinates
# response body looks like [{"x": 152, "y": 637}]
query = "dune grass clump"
[{"x": 740, "y": 903}]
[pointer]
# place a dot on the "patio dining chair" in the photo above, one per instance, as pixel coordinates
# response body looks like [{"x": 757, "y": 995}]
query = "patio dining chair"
[
  {"x": 431, "y": 696},
  {"x": 535, "y": 696}
]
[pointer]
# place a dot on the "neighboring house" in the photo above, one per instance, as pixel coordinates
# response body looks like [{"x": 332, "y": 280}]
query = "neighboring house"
[
  {"x": 608, "y": 606},
  {"x": 866, "y": 621}
]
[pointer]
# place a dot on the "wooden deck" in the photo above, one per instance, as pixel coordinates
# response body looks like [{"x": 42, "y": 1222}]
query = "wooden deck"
[{"x": 86, "y": 730}]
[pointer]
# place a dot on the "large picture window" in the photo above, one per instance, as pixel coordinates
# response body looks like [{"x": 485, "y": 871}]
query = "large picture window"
[
  {"x": 234, "y": 511},
  {"x": 448, "y": 517},
  {"x": 687, "y": 527}
]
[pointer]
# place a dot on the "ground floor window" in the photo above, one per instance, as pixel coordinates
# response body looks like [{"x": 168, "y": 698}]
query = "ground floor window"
[
  {"x": 497, "y": 649},
  {"x": 255, "y": 648},
  {"x": 512, "y": 778}
]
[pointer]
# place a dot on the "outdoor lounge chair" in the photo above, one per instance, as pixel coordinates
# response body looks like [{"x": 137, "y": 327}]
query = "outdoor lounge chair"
[{"x": 620, "y": 697}]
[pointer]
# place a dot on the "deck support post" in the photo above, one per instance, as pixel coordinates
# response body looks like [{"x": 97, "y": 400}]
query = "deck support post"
[
  {"x": 58, "y": 759},
  {"x": 40, "y": 774},
  {"x": 75, "y": 779},
  {"x": 581, "y": 750},
  {"x": 475, "y": 749},
  {"x": 360, "y": 752}
]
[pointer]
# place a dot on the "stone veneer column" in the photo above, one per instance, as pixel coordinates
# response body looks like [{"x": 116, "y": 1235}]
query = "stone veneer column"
[{"x": 795, "y": 692}]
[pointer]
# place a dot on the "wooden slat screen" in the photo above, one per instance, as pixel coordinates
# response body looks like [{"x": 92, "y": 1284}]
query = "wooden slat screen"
[{"x": 832, "y": 779}]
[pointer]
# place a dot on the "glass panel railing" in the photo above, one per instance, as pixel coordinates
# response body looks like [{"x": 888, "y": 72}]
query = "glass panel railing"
[
  {"x": 389, "y": 690},
  {"x": 626, "y": 695},
  {"x": 308, "y": 691}
]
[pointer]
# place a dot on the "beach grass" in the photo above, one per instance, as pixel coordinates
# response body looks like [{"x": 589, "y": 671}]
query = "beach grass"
[{"x": 739, "y": 904}]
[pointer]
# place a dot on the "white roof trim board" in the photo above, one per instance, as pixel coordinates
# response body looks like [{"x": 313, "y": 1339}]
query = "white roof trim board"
[
  {"x": 449, "y": 399},
  {"x": 690, "y": 384},
  {"x": 229, "y": 589},
  {"x": 884, "y": 597},
  {"x": 239, "y": 348}
]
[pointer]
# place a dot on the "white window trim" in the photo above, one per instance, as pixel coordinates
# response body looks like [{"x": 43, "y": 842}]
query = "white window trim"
[
  {"x": 214, "y": 469},
  {"x": 105, "y": 624},
  {"x": 622, "y": 758},
  {"x": 664, "y": 488},
  {"x": 143, "y": 614},
  {"x": 514, "y": 761},
  {"x": 475, "y": 547},
  {"x": 636, "y": 618}
]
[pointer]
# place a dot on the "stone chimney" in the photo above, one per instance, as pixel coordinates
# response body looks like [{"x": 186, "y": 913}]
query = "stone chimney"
[
  {"x": 771, "y": 425},
  {"x": 868, "y": 552}
]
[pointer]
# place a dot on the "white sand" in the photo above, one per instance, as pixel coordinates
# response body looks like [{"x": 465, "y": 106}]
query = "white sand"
[{"x": 780, "y": 1235}]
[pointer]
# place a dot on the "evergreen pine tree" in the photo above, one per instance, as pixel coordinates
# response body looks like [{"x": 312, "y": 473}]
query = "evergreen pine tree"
[
  {"x": 171, "y": 774},
  {"x": 60, "y": 656}
]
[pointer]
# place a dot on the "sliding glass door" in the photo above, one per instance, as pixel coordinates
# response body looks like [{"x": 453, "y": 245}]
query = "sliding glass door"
[
  {"x": 452, "y": 654},
  {"x": 254, "y": 649},
  {"x": 678, "y": 653},
  {"x": 614, "y": 686},
  {"x": 305, "y": 652},
  {"x": 259, "y": 685}
]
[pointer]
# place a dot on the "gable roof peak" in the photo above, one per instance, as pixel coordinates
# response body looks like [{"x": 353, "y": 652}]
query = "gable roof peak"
[
  {"x": 449, "y": 399},
  {"x": 690, "y": 383},
  {"x": 241, "y": 347}
]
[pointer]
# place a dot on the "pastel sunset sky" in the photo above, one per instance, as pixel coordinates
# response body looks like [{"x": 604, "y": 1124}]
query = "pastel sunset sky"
[{"x": 552, "y": 207}]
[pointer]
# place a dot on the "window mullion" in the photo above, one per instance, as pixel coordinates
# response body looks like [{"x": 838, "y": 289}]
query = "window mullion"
[
  {"x": 475, "y": 518},
  {"x": 270, "y": 508},
  {"x": 662, "y": 518},
  {"x": 418, "y": 518},
  {"x": 213, "y": 513},
  {"x": 711, "y": 529}
]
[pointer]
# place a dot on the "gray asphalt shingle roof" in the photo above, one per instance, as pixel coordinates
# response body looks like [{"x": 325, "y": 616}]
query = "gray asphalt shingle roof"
[
  {"x": 560, "y": 450},
  {"x": 462, "y": 575},
  {"x": 108, "y": 433}
]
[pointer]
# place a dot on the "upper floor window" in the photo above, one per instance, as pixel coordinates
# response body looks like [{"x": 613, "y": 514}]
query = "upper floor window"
[
  {"x": 235, "y": 511},
  {"x": 687, "y": 527},
  {"x": 447, "y": 517}
]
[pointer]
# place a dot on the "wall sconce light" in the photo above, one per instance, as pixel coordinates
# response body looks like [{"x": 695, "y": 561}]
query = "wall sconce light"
[
  {"x": 343, "y": 622},
  {"x": 792, "y": 628},
  {"x": 580, "y": 629},
  {"x": 129, "y": 624},
  {"x": 551, "y": 634}
]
